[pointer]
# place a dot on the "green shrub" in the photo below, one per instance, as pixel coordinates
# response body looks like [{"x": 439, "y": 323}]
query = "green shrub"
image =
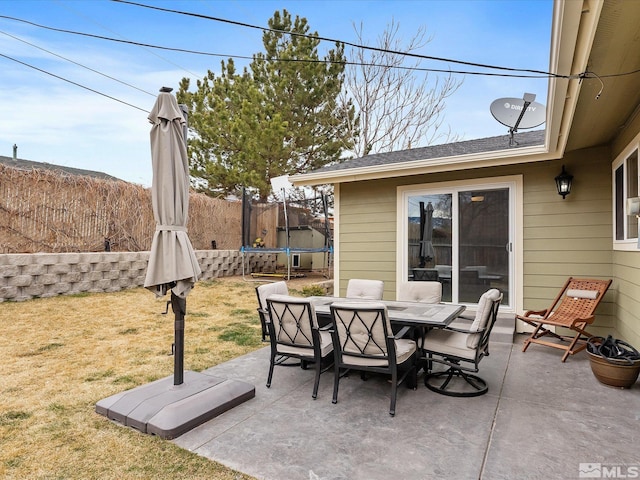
[{"x": 313, "y": 291}]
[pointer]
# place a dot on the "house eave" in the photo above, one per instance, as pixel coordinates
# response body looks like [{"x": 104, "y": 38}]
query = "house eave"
[{"x": 421, "y": 167}]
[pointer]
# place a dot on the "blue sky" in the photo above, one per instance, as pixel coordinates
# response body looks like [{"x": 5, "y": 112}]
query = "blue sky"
[{"x": 57, "y": 122}]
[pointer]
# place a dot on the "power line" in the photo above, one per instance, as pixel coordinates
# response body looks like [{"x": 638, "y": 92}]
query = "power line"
[
  {"x": 540, "y": 73},
  {"x": 327, "y": 39},
  {"x": 72, "y": 82},
  {"x": 130, "y": 42},
  {"x": 290, "y": 60},
  {"x": 78, "y": 64},
  {"x": 79, "y": 14}
]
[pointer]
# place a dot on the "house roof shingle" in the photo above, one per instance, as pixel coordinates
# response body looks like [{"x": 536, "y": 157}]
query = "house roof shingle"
[
  {"x": 490, "y": 144},
  {"x": 28, "y": 165}
]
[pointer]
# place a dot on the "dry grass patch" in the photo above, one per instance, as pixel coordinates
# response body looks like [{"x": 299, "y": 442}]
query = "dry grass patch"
[{"x": 62, "y": 355}]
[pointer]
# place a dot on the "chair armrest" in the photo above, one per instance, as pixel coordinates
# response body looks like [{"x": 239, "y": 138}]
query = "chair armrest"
[
  {"x": 459, "y": 330},
  {"x": 541, "y": 313},
  {"x": 402, "y": 332},
  {"x": 463, "y": 330},
  {"x": 465, "y": 317}
]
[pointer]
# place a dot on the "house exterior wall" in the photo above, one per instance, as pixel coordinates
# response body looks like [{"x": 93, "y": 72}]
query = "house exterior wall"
[
  {"x": 561, "y": 238},
  {"x": 626, "y": 271},
  {"x": 626, "y": 264}
]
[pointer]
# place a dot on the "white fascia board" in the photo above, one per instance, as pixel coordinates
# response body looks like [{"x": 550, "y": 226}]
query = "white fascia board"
[
  {"x": 432, "y": 165},
  {"x": 572, "y": 33}
]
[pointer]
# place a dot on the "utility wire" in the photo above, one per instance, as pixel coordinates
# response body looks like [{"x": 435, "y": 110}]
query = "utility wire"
[
  {"x": 78, "y": 64},
  {"x": 291, "y": 60},
  {"x": 116, "y": 33},
  {"x": 73, "y": 83},
  {"x": 541, "y": 73},
  {"x": 100, "y": 37},
  {"x": 327, "y": 39}
]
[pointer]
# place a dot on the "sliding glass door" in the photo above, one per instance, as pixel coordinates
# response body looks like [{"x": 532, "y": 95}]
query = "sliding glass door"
[{"x": 460, "y": 236}]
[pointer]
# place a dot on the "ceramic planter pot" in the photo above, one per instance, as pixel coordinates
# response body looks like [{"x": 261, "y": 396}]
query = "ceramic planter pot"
[{"x": 615, "y": 373}]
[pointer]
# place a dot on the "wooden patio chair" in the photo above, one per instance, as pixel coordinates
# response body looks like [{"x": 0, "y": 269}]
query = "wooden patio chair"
[{"x": 574, "y": 309}]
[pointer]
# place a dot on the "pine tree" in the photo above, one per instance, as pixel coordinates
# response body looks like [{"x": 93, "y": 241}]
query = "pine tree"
[{"x": 280, "y": 116}]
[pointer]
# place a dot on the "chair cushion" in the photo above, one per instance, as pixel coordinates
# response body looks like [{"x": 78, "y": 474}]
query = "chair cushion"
[
  {"x": 404, "y": 349},
  {"x": 296, "y": 305},
  {"x": 425, "y": 292},
  {"x": 269, "y": 288},
  {"x": 482, "y": 315},
  {"x": 589, "y": 294},
  {"x": 361, "y": 288},
  {"x": 359, "y": 338},
  {"x": 326, "y": 347},
  {"x": 448, "y": 342},
  {"x": 484, "y": 309}
]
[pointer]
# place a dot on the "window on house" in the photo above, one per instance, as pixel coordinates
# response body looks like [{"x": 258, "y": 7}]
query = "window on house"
[
  {"x": 461, "y": 236},
  {"x": 625, "y": 186}
]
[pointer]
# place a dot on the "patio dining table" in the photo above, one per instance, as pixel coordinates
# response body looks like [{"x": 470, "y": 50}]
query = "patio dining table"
[{"x": 411, "y": 314}]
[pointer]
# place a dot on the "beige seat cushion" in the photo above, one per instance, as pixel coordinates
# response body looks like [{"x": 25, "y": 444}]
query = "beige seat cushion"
[
  {"x": 424, "y": 292},
  {"x": 367, "y": 289},
  {"x": 404, "y": 349},
  {"x": 482, "y": 315},
  {"x": 268, "y": 289},
  {"x": 326, "y": 347},
  {"x": 448, "y": 342}
]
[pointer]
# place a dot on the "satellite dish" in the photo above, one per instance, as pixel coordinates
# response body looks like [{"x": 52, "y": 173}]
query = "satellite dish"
[
  {"x": 508, "y": 111},
  {"x": 280, "y": 184}
]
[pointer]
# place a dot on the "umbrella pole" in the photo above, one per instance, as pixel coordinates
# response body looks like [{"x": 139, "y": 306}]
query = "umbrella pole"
[{"x": 179, "y": 306}]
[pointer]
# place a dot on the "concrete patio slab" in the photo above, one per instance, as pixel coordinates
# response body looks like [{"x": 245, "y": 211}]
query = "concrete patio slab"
[{"x": 540, "y": 419}]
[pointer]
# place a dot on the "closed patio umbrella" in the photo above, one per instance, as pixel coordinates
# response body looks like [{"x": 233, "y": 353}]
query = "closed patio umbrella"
[
  {"x": 172, "y": 261},
  {"x": 159, "y": 408},
  {"x": 426, "y": 234}
]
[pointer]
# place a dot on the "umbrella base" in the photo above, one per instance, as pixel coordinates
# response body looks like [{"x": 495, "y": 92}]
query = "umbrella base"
[{"x": 167, "y": 410}]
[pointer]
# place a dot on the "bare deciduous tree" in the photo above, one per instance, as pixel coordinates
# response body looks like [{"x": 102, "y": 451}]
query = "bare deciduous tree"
[{"x": 399, "y": 107}]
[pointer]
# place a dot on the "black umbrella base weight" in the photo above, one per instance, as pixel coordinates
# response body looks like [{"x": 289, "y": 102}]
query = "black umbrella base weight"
[{"x": 167, "y": 410}]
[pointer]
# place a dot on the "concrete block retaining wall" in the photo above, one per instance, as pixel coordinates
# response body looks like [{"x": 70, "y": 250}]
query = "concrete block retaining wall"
[{"x": 26, "y": 276}]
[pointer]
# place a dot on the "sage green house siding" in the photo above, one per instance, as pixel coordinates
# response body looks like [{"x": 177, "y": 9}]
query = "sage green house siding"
[
  {"x": 625, "y": 265},
  {"x": 561, "y": 238},
  {"x": 367, "y": 233},
  {"x": 592, "y": 123},
  {"x": 626, "y": 272}
]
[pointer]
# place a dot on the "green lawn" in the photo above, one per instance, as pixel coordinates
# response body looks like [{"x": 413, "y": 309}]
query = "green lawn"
[{"x": 61, "y": 355}]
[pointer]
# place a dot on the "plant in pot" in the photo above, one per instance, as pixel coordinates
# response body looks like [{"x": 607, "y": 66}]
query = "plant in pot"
[{"x": 613, "y": 361}]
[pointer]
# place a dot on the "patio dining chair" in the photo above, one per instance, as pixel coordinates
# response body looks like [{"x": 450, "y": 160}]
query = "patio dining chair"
[
  {"x": 294, "y": 333},
  {"x": 363, "y": 341},
  {"x": 365, "y": 289},
  {"x": 263, "y": 291},
  {"x": 461, "y": 349},
  {"x": 574, "y": 309}
]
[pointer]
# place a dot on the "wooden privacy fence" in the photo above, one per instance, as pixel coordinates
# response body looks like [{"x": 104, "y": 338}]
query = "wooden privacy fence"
[{"x": 46, "y": 211}]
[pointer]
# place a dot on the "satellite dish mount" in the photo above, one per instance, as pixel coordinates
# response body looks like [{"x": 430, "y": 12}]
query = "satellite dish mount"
[{"x": 518, "y": 113}]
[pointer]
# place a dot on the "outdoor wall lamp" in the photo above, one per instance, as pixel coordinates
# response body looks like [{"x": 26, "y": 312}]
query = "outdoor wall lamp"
[{"x": 563, "y": 183}]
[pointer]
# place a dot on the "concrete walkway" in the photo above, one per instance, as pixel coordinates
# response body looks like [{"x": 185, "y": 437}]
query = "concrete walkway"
[{"x": 540, "y": 419}]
